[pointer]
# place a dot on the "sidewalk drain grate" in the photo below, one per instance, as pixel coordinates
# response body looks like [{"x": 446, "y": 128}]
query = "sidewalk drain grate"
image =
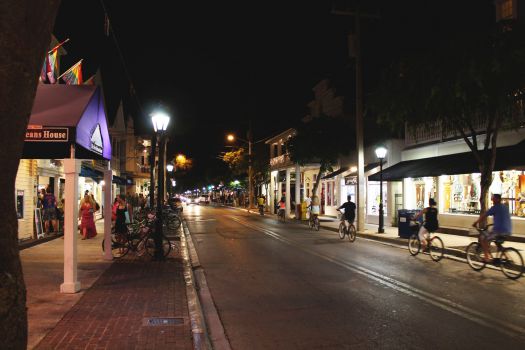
[{"x": 163, "y": 321}]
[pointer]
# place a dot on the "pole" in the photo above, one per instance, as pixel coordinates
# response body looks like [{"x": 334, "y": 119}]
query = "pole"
[
  {"x": 158, "y": 228},
  {"x": 152, "y": 171},
  {"x": 359, "y": 127},
  {"x": 381, "y": 214},
  {"x": 250, "y": 175}
]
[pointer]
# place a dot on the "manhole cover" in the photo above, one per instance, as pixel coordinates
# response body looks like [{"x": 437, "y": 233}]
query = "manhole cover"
[{"x": 163, "y": 321}]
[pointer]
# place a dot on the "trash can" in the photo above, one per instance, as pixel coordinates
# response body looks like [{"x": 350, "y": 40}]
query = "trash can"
[{"x": 404, "y": 228}]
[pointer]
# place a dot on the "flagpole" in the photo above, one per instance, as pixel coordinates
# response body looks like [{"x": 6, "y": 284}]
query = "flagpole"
[
  {"x": 70, "y": 68},
  {"x": 58, "y": 46}
]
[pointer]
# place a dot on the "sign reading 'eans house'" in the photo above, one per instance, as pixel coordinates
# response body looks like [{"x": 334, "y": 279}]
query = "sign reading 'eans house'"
[{"x": 46, "y": 134}]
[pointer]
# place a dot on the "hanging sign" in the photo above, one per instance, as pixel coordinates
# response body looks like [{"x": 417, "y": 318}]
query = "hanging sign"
[
  {"x": 96, "y": 140},
  {"x": 38, "y": 133},
  {"x": 351, "y": 180}
]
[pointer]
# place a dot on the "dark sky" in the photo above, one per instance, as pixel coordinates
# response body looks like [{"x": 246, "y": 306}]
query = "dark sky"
[{"x": 214, "y": 65}]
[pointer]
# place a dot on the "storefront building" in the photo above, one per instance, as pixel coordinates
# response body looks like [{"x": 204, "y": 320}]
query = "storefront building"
[
  {"x": 67, "y": 126},
  {"x": 454, "y": 182}
]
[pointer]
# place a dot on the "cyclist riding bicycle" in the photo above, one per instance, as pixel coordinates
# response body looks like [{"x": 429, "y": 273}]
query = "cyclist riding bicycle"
[
  {"x": 282, "y": 206},
  {"x": 502, "y": 224},
  {"x": 349, "y": 210},
  {"x": 314, "y": 207},
  {"x": 260, "y": 203},
  {"x": 430, "y": 224}
]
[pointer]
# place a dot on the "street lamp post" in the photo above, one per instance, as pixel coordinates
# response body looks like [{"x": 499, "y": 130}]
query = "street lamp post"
[
  {"x": 160, "y": 124},
  {"x": 381, "y": 153},
  {"x": 230, "y": 138}
]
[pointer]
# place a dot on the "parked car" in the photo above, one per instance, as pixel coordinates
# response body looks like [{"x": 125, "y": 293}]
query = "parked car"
[{"x": 204, "y": 200}]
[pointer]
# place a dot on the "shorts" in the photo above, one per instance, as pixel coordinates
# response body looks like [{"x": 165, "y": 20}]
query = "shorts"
[
  {"x": 49, "y": 214},
  {"x": 491, "y": 236}
]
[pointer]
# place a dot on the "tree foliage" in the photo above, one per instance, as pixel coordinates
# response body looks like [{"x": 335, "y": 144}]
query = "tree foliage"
[
  {"x": 473, "y": 87},
  {"x": 321, "y": 140},
  {"x": 237, "y": 161}
]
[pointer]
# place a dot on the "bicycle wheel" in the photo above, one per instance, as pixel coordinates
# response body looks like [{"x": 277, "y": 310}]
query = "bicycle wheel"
[
  {"x": 436, "y": 248},
  {"x": 511, "y": 263},
  {"x": 149, "y": 245},
  {"x": 342, "y": 229},
  {"x": 474, "y": 254},
  {"x": 119, "y": 246},
  {"x": 351, "y": 233},
  {"x": 414, "y": 245}
]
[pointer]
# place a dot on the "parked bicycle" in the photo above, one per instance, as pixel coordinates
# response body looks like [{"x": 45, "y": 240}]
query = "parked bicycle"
[
  {"x": 433, "y": 244},
  {"x": 139, "y": 238},
  {"x": 347, "y": 230},
  {"x": 508, "y": 259}
]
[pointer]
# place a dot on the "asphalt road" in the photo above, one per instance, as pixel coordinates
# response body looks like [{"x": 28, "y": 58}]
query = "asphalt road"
[{"x": 282, "y": 286}]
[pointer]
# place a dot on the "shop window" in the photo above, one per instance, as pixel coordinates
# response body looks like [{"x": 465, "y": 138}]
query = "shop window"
[
  {"x": 505, "y": 9},
  {"x": 373, "y": 198}
]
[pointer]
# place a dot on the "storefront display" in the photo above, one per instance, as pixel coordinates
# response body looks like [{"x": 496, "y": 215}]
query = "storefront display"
[{"x": 373, "y": 198}]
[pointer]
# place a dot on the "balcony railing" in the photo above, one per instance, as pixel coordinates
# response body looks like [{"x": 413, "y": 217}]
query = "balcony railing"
[
  {"x": 279, "y": 161},
  {"x": 434, "y": 132}
]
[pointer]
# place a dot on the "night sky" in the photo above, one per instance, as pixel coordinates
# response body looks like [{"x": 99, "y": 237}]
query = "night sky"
[{"x": 215, "y": 65}]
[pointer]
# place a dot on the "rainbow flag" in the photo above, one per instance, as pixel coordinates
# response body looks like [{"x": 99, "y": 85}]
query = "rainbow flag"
[
  {"x": 73, "y": 76},
  {"x": 50, "y": 67}
]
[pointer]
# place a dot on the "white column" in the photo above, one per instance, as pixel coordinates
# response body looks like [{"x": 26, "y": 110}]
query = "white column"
[
  {"x": 297, "y": 190},
  {"x": 271, "y": 195},
  {"x": 108, "y": 187},
  {"x": 287, "y": 189},
  {"x": 71, "y": 284}
]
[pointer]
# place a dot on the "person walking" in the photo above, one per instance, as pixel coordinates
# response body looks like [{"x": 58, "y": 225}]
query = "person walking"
[{"x": 87, "y": 208}]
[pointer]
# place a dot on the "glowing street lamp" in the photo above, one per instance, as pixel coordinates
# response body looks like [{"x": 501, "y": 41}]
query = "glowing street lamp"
[
  {"x": 169, "y": 167},
  {"x": 231, "y": 138},
  {"x": 160, "y": 121}
]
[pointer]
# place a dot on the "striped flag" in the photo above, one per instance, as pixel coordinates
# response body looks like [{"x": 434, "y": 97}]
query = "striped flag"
[
  {"x": 50, "y": 67},
  {"x": 73, "y": 76}
]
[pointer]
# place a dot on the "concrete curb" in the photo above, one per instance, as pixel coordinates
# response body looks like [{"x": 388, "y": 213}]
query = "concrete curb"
[{"x": 201, "y": 340}]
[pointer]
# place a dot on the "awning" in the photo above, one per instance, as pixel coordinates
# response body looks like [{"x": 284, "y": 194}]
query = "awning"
[
  {"x": 119, "y": 180},
  {"x": 91, "y": 173},
  {"x": 335, "y": 173},
  {"x": 507, "y": 158},
  {"x": 65, "y": 115}
]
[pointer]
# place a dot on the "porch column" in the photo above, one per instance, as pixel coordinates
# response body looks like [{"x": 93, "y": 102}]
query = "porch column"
[
  {"x": 297, "y": 190},
  {"x": 108, "y": 187},
  {"x": 271, "y": 195},
  {"x": 287, "y": 189},
  {"x": 71, "y": 169}
]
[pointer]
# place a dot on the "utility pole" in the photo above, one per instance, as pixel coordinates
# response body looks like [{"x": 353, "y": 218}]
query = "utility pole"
[
  {"x": 250, "y": 175},
  {"x": 358, "y": 111}
]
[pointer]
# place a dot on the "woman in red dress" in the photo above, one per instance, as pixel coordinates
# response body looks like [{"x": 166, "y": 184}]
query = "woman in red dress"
[{"x": 86, "y": 212}]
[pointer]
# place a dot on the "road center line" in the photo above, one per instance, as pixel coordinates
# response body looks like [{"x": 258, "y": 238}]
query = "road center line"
[{"x": 440, "y": 302}]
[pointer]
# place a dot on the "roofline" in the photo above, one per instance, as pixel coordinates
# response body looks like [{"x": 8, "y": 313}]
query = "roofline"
[{"x": 280, "y": 136}]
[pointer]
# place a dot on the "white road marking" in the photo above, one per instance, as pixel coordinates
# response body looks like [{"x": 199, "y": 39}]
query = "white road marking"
[{"x": 440, "y": 302}]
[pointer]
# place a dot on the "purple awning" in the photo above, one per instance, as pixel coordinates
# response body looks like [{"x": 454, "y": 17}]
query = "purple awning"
[{"x": 67, "y": 114}]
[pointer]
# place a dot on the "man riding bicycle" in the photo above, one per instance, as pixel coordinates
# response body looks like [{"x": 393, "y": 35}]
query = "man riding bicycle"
[
  {"x": 502, "y": 224},
  {"x": 349, "y": 210}
]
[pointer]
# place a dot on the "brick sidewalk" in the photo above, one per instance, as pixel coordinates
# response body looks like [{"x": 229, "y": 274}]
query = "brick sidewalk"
[{"x": 114, "y": 312}]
